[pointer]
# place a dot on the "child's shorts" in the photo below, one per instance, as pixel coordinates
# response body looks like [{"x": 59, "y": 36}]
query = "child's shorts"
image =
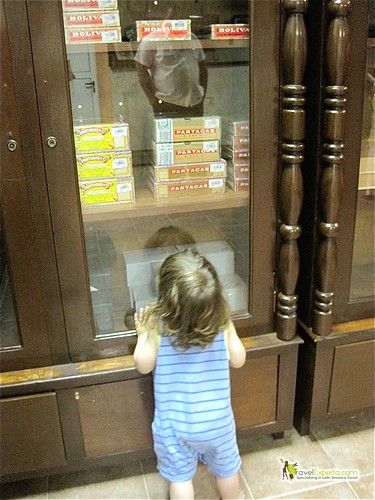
[{"x": 178, "y": 458}]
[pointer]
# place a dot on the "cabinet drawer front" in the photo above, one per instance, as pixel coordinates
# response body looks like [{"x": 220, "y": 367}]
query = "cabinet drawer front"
[
  {"x": 254, "y": 392},
  {"x": 31, "y": 437},
  {"x": 116, "y": 417},
  {"x": 352, "y": 384}
]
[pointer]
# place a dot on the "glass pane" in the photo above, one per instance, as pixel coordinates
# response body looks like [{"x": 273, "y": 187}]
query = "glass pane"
[
  {"x": 160, "y": 102},
  {"x": 9, "y": 335},
  {"x": 363, "y": 265}
]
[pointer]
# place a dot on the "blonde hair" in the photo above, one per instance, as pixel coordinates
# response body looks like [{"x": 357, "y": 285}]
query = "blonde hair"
[{"x": 190, "y": 304}]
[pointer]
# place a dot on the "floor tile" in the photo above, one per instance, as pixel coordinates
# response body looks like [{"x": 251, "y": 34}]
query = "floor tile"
[
  {"x": 364, "y": 488},
  {"x": 156, "y": 486},
  {"x": 349, "y": 442},
  {"x": 107, "y": 482},
  {"x": 339, "y": 491},
  {"x": 262, "y": 466}
]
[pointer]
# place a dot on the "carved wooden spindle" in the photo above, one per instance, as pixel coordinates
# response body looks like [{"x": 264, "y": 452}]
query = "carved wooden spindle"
[
  {"x": 294, "y": 55},
  {"x": 337, "y": 55}
]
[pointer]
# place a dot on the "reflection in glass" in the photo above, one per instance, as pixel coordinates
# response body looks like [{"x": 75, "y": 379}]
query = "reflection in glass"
[
  {"x": 9, "y": 336},
  {"x": 140, "y": 202},
  {"x": 363, "y": 265}
]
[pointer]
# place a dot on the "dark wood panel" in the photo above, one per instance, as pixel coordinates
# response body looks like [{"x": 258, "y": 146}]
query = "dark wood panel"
[
  {"x": 30, "y": 436},
  {"x": 352, "y": 385},
  {"x": 254, "y": 392},
  {"x": 116, "y": 417},
  {"x": 34, "y": 176},
  {"x": 18, "y": 225}
]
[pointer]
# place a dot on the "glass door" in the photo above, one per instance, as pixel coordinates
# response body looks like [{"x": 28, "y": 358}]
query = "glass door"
[
  {"x": 363, "y": 264},
  {"x": 154, "y": 148},
  {"x": 161, "y": 131}
]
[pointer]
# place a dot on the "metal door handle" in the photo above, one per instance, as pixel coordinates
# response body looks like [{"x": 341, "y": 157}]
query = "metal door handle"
[{"x": 90, "y": 85}]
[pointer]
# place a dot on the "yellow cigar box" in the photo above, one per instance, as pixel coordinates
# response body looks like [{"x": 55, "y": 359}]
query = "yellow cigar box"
[
  {"x": 98, "y": 137},
  {"x": 104, "y": 164},
  {"x": 99, "y": 191}
]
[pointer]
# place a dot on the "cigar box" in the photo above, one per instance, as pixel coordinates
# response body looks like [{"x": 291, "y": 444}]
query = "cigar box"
[
  {"x": 93, "y": 35},
  {"x": 238, "y": 171},
  {"x": 168, "y": 29},
  {"x": 200, "y": 128},
  {"x": 104, "y": 164},
  {"x": 238, "y": 185},
  {"x": 103, "y": 191},
  {"x": 237, "y": 143},
  {"x": 91, "y": 18},
  {"x": 235, "y": 292},
  {"x": 186, "y": 152},
  {"x": 237, "y": 128},
  {"x": 237, "y": 157},
  {"x": 178, "y": 189},
  {"x": 138, "y": 264},
  {"x": 229, "y": 31},
  {"x": 219, "y": 253},
  {"x": 74, "y": 5},
  {"x": 161, "y": 173},
  {"x": 98, "y": 137}
]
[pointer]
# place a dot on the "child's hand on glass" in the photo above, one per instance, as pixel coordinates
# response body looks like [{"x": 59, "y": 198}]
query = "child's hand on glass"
[{"x": 139, "y": 319}]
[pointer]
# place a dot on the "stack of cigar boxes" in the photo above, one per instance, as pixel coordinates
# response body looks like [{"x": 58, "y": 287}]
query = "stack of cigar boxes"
[
  {"x": 236, "y": 150},
  {"x": 91, "y": 21},
  {"x": 104, "y": 163},
  {"x": 186, "y": 157}
]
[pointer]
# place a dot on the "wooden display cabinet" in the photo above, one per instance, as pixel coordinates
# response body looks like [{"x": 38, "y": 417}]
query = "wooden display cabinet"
[
  {"x": 80, "y": 369},
  {"x": 336, "y": 361}
]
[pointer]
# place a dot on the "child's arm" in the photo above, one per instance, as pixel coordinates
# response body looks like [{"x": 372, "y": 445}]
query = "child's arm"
[
  {"x": 146, "y": 350},
  {"x": 237, "y": 352}
]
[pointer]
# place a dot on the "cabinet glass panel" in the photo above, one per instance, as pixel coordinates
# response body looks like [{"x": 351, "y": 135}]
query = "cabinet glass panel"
[
  {"x": 363, "y": 265},
  {"x": 9, "y": 335},
  {"x": 160, "y": 103}
]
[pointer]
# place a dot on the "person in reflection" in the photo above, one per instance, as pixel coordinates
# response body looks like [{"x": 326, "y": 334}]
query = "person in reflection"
[
  {"x": 173, "y": 80},
  {"x": 189, "y": 341},
  {"x": 166, "y": 236}
]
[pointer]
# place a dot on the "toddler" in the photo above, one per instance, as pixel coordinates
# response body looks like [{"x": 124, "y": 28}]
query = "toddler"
[{"x": 189, "y": 341}]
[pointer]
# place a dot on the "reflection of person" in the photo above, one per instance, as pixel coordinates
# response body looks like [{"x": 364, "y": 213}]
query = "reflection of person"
[
  {"x": 169, "y": 236},
  {"x": 189, "y": 341},
  {"x": 174, "y": 80},
  {"x": 165, "y": 236}
]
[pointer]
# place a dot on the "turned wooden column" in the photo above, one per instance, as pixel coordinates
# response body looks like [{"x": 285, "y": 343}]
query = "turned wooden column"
[
  {"x": 294, "y": 53},
  {"x": 330, "y": 186}
]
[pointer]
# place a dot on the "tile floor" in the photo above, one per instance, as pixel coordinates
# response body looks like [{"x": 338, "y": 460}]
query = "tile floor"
[{"x": 345, "y": 444}]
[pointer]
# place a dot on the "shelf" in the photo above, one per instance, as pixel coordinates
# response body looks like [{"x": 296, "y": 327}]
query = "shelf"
[
  {"x": 133, "y": 46},
  {"x": 146, "y": 205}
]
